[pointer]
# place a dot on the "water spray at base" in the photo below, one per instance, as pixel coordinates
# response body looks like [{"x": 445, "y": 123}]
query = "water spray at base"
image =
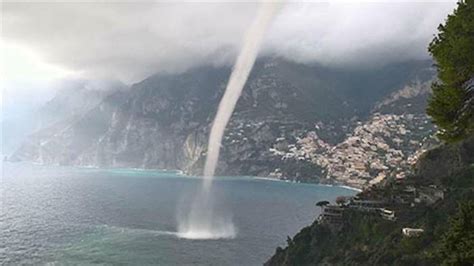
[{"x": 203, "y": 220}]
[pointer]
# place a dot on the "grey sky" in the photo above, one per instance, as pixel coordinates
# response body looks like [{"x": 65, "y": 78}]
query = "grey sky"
[{"x": 130, "y": 41}]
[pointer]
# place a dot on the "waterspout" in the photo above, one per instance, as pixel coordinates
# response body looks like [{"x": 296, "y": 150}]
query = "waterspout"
[{"x": 203, "y": 221}]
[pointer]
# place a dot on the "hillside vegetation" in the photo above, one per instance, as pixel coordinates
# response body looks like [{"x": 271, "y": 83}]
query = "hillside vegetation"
[{"x": 367, "y": 239}]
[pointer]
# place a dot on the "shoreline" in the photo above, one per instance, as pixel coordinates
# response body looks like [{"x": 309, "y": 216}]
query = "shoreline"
[
  {"x": 184, "y": 174},
  {"x": 342, "y": 186},
  {"x": 308, "y": 183}
]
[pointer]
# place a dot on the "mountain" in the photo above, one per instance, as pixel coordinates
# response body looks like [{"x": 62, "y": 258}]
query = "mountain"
[
  {"x": 291, "y": 122},
  {"x": 72, "y": 97},
  {"x": 75, "y": 97}
]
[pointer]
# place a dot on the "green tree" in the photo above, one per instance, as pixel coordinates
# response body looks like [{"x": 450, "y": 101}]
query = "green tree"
[
  {"x": 457, "y": 245},
  {"x": 451, "y": 105},
  {"x": 322, "y": 203}
]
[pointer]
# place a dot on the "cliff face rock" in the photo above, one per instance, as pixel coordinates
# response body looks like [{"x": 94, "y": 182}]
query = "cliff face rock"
[
  {"x": 446, "y": 160},
  {"x": 164, "y": 121},
  {"x": 73, "y": 97},
  {"x": 76, "y": 97}
]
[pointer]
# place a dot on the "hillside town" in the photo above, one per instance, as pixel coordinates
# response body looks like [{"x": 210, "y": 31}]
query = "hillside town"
[{"x": 386, "y": 145}]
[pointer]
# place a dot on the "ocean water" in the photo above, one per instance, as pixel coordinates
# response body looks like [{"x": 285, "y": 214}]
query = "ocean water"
[{"x": 65, "y": 215}]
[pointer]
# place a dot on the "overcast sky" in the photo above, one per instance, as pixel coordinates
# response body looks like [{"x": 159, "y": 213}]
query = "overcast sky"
[{"x": 130, "y": 41}]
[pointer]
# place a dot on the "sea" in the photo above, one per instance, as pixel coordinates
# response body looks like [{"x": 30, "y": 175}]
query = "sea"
[{"x": 54, "y": 215}]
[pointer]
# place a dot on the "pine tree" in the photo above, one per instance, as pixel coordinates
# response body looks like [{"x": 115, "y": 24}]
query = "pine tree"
[
  {"x": 452, "y": 103},
  {"x": 457, "y": 246}
]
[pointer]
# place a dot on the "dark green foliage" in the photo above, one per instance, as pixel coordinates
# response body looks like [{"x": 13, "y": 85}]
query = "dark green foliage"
[
  {"x": 322, "y": 203},
  {"x": 369, "y": 240},
  {"x": 452, "y": 104},
  {"x": 366, "y": 239},
  {"x": 457, "y": 246}
]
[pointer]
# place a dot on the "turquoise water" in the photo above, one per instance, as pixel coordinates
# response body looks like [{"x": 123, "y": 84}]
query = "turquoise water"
[{"x": 64, "y": 215}]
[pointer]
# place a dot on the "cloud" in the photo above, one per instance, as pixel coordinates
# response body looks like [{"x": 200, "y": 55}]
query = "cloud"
[
  {"x": 130, "y": 41},
  {"x": 348, "y": 34}
]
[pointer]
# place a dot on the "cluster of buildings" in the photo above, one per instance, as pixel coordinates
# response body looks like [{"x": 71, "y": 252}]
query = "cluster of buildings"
[
  {"x": 333, "y": 216},
  {"x": 386, "y": 145},
  {"x": 395, "y": 204},
  {"x": 239, "y": 133}
]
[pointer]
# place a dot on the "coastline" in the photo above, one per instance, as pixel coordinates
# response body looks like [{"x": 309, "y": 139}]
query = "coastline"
[{"x": 184, "y": 174}]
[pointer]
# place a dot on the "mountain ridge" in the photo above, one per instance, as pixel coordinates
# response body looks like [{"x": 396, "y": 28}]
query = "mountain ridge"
[{"x": 163, "y": 121}]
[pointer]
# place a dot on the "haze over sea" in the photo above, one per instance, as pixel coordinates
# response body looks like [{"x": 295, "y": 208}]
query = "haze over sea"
[{"x": 110, "y": 216}]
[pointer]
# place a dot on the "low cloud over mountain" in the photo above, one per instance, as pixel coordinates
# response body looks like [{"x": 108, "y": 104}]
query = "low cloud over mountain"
[{"x": 133, "y": 40}]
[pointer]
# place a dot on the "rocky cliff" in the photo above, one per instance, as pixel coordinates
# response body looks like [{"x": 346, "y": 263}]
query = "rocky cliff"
[
  {"x": 73, "y": 97},
  {"x": 291, "y": 122}
]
